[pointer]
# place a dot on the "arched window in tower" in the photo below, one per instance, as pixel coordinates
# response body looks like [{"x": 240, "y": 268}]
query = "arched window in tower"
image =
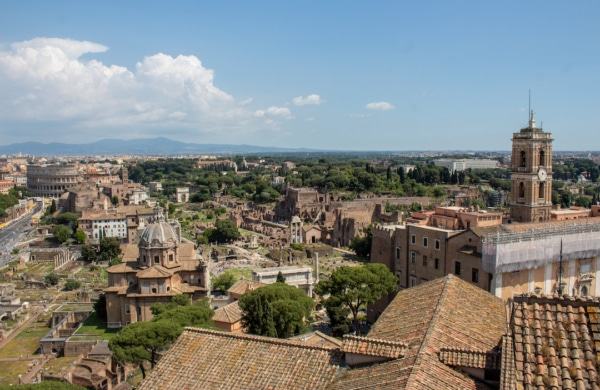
[
  {"x": 542, "y": 158},
  {"x": 523, "y": 159},
  {"x": 542, "y": 190},
  {"x": 521, "y": 190}
]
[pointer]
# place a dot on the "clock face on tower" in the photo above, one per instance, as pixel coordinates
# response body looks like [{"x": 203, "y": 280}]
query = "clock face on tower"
[{"x": 542, "y": 175}]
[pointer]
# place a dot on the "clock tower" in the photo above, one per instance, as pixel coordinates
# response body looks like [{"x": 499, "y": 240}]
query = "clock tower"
[{"x": 531, "y": 197}]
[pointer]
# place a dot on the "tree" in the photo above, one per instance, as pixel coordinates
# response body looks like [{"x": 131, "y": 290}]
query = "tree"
[
  {"x": 224, "y": 281},
  {"x": 72, "y": 284},
  {"x": 62, "y": 233},
  {"x": 280, "y": 278},
  {"x": 89, "y": 253},
  {"x": 356, "y": 287},
  {"x": 80, "y": 236},
  {"x": 224, "y": 231},
  {"x": 109, "y": 249},
  {"x": 100, "y": 307},
  {"x": 276, "y": 310},
  {"x": 52, "y": 208},
  {"x": 69, "y": 219},
  {"x": 51, "y": 279},
  {"x": 338, "y": 317},
  {"x": 362, "y": 245},
  {"x": 142, "y": 342},
  {"x": 198, "y": 314}
]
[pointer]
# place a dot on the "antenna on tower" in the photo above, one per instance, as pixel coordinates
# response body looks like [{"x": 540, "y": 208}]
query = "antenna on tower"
[{"x": 529, "y": 111}]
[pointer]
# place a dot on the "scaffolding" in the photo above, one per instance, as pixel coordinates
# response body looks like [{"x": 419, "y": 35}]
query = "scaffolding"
[{"x": 508, "y": 251}]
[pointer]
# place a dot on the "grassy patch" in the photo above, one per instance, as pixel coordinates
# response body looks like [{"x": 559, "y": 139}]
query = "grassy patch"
[
  {"x": 241, "y": 273},
  {"x": 9, "y": 374},
  {"x": 55, "y": 366},
  {"x": 94, "y": 327},
  {"x": 26, "y": 342}
]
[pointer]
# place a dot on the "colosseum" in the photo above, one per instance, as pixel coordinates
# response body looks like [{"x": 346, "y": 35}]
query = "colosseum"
[{"x": 51, "y": 180}]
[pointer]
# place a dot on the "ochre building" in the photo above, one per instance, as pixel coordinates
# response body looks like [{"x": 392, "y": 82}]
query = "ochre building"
[{"x": 166, "y": 265}]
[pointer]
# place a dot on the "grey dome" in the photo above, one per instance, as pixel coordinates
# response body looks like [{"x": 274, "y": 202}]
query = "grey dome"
[{"x": 158, "y": 235}]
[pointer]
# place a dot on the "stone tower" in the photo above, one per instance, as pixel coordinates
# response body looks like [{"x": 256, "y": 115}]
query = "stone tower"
[{"x": 531, "y": 198}]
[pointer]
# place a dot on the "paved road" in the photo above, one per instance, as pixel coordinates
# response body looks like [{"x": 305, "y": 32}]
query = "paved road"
[{"x": 11, "y": 235}]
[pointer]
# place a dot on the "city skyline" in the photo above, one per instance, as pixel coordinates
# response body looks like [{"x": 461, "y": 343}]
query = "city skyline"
[{"x": 332, "y": 76}]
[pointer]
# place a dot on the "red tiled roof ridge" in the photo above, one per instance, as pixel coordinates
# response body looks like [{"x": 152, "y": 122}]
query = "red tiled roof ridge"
[
  {"x": 430, "y": 330},
  {"x": 553, "y": 298},
  {"x": 458, "y": 349},
  {"x": 260, "y": 339},
  {"x": 373, "y": 347},
  {"x": 375, "y": 340}
]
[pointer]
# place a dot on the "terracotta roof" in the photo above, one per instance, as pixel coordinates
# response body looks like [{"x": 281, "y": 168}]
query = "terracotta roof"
[
  {"x": 556, "y": 343},
  {"x": 318, "y": 339},
  {"x": 128, "y": 266},
  {"x": 373, "y": 347},
  {"x": 229, "y": 314},
  {"x": 244, "y": 286},
  {"x": 441, "y": 314},
  {"x": 156, "y": 271},
  {"x": 207, "y": 359},
  {"x": 467, "y": 358}
]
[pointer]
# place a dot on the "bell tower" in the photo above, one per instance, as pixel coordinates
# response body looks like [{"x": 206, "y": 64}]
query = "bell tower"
[{"x": 531, "y": 197}]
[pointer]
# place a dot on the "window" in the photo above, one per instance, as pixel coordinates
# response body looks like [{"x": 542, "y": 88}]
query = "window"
[
  {"x": 413, "y": 281},
  {"x": 584, "y": 291},
  {"x": 413, "y": 239},
  {"x": 144, "y": 259},
  {"x": 542, "y": 157},
  {"x": 542, "y": 190},
  {"x": 154, "y": 290},
  {"x": 475, "y": 275},
  {"x": 424, "y": 261},
  {"x": 156, "y": 260},
  {"x": 585, "y": 268},
  {"x": 397, "y": 253},
  {"x": 457, "y": 268},
  {"x": 437, "y": 244},
  {"x": 170, "y": 257},
  {"x": 437, "y": 263},
  {"x": 523, "y": 159},
  {"x": 425, "y": 242},
  {"x": 413, "y": 257},
  {"x": 521, "y": 190}
]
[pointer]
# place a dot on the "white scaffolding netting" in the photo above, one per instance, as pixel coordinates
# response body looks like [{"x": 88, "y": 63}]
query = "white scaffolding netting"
[{"x": 513, "y": 251}]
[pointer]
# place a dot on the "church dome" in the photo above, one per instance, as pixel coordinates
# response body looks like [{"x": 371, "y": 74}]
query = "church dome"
[{"x": 158, "y": 235}]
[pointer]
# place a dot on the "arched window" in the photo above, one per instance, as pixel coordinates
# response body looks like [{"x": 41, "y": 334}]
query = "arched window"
[
  {"x": 542, "y": 190},
  {"x": 542, "y": 157},
  {"x": 521, "y": 190},
  {"x": 523, "y": 159},
  {"x": 584, "y": 291}
]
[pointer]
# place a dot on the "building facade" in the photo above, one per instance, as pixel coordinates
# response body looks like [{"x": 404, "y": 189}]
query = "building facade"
[
  {"x": 531, "y": 165},
  {"x": 167, "y": 265},
  {"x": 52, "y": 180}
]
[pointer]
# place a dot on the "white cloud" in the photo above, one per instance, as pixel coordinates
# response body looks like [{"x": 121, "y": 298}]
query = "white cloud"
[
  {"x": 312, "y": 99},
  {"x": 48, "y": 81},
  {"x": 274, "y": 112},
  {"x": 380, "y": 106}
]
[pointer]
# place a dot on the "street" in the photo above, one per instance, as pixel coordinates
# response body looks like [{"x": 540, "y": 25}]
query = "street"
[{"x": 11, "y": 235}]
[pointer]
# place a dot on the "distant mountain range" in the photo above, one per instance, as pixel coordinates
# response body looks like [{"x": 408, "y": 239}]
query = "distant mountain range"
[{"x": 143, "y": 146}]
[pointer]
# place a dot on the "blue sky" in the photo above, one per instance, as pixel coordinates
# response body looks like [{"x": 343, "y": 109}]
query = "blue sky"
[{"x": 388, "y": 75}]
